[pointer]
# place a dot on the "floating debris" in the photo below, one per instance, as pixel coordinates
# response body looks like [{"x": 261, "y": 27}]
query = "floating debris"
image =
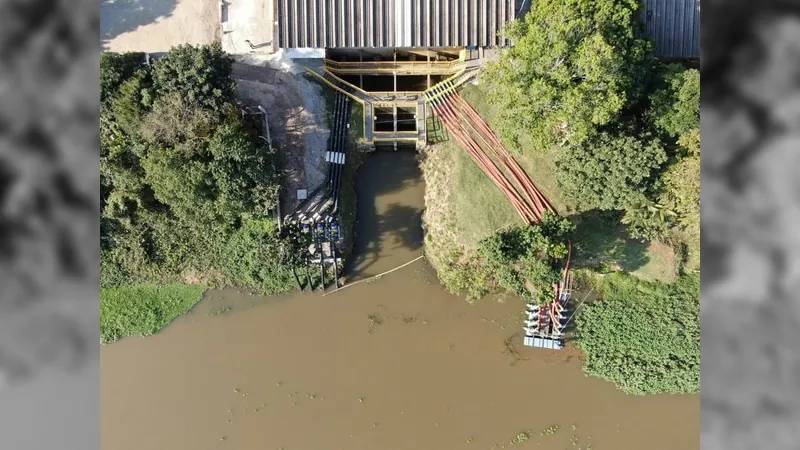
[
  {"x": 520, "y": 438},
  {"x": 549, "y": 431}
]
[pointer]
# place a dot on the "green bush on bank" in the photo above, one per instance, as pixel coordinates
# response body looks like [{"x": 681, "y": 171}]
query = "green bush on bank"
[
  {"x": 143, "y": 309},
  {"x": 526, "y": 261},
  {"x": 188, "y": 188},
  {"x": 642, "y": 336}
]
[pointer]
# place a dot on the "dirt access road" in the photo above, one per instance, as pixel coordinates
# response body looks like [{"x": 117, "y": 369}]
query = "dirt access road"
[
  {"x": 297, "y": 117},
  {"x": 157, "y": 25}
]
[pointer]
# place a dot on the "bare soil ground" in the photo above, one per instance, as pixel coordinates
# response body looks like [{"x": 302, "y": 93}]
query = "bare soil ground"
[
  {"x": 296, "y": 110},
  {"x": 157, "y": 25}
]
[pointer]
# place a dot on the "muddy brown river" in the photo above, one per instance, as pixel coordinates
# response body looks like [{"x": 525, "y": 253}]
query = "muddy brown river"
[{"x": 395, "y": 364}]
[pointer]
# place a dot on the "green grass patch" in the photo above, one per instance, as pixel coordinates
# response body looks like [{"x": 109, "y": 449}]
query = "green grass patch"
[
  {"x": 602, "y": 241},
  {"x": 356, "y": 122},
  {"x": 480, "y": 206},
  {"x": 464, "y": 206},
  {"x": 143, "y": 309}
]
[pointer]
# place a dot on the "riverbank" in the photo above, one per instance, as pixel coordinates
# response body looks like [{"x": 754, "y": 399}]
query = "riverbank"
[
  {"x": 364, "y": 366},
  {"x": 143, "y": 309},
  {"x": 463, "y": 206}
]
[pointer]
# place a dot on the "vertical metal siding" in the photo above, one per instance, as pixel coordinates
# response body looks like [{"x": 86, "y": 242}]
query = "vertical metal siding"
[
  {"x": 395, "y": 23},
  {"x": 674, "y": 26}
]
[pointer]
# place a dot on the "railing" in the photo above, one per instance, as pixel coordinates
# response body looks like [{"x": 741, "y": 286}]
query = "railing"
[
  {"x": 391, "y": 104},
  {"x": 351, "y": 85},
  {"x": 377, "y": 67},
  {"x": 441, "y": 88},
  {"x": 383, "y": 94},
  {"x": 337, "y": 88}
]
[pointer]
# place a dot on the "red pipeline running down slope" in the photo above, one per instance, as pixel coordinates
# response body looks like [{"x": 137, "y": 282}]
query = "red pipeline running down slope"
[
  {"x": 463, "y": 122},
  {"x": 504, "y": 155},
  {"x": 450, "y": 120}
]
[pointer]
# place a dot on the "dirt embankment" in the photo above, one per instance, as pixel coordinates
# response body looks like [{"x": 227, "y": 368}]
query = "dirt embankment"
[
  {"x": 296, "y": 110},
  {"x": 442, "y": 248}
]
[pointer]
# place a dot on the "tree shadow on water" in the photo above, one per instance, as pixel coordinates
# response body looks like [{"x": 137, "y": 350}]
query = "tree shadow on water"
[
  {"x": 602, "y": 240},
  {"x": 399, "y": 225},
  {"x": 123, "y": 16},
  {"x": 402, "y": 226}
]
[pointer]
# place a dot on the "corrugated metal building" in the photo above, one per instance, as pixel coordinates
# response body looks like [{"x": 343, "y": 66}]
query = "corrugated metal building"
[
  {"x": 391, "y": 23},
  {"x": 674, "y": 25}
]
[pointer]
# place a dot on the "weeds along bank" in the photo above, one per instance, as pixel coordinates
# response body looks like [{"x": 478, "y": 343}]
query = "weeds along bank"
[
  {"x": 188, "y": 190},
  {"x": 611, "y": 135}
]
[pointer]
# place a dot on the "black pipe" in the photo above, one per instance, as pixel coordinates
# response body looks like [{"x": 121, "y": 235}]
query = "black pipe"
[
  {"x": 322, "y": 268},
  {"x": 308, "y": 275},
  {"x": 334, "y": 144},
  {"x": 338, "y": 142},
  {"x": 339, "y": 148},
  {"x": 335, "y": 266},
  {"x": 297, "y": 279},
  {"x": 326, "y": 183}
]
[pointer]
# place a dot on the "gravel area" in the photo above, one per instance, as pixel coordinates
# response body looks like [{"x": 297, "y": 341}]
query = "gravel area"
[{"x": 298, "y": 126}]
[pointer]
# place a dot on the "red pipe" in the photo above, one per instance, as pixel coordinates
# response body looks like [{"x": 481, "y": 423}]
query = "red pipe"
[
  {"x": 531, "y": 216},
  {"x": 481, "y": 132},
  {"x": 500, "y": 148},
  {"x": 450, "y": 120}
]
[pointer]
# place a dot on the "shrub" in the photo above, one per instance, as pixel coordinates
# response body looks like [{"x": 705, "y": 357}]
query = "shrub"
[
  {"x": 644, "y": 337},
  {"x": 183, "y": 176},
  {"x": 526, "y": 261},
  {"x": 611, "y": 170}
]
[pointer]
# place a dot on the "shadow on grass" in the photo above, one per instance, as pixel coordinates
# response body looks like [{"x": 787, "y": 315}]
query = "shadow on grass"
[
  {"x": 602, "y": 241},
  {"x": 435, "y": 130}
]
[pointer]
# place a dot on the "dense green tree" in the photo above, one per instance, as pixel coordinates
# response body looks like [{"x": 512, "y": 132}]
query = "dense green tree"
[
  {"x": 675, "y": 114},
  {"x": 574, "y": 67},
  {"x": 644, "y": 337},
  {"x": 526, "y": 261},
  {"x": 115, "y": 68},
  {"x": 682, "y": 189},
  {"x": 184, "y": 179},
  {"x": 128, "y": 104},
  {"x": 611, "y": 170},
  {"x": 200, "y": 74},
  {"x": 675, "y": 106},
  {"x": 648, "y": 220}
]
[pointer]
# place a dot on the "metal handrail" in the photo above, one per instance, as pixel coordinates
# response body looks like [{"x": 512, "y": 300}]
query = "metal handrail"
[
  {"x": 345, "y": 64},
  {"x": 351, "y": 85}
]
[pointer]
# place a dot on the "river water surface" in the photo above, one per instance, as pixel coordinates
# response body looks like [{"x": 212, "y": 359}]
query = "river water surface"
[{"x": 395, "y": 364}]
